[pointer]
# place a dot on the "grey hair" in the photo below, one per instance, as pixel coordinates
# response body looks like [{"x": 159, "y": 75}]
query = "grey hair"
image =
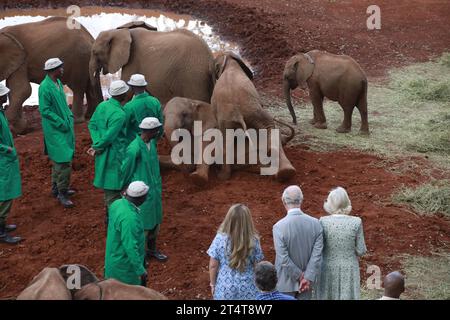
[
  {"x": 338, "y": 202},
  {"x": 292, "y": 196}
]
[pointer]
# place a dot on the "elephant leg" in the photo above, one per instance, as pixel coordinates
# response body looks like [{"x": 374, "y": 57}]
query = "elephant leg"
[
  {"x": 77, "y": 105},
  {"x": 225, "y": 168},
  {"x": 319, "y": 115},
  {"x": 20, "y": 88},
  {"x": 94, "y": 96},
  {"x": 346, "y": 125},
  {"x": 285, "y": 168},
  {"x": 362, "y": 107},
  {"x": 201, "y": 175}
]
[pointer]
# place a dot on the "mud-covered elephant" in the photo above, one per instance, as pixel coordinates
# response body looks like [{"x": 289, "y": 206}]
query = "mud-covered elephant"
[
  {"x": 25, "y": 48},
  {"x": 175, "y": 63},
  {"x": 336, "y": 77},
  {"x": 180, "y": 113},
  {"x": 238, "y": 105}
]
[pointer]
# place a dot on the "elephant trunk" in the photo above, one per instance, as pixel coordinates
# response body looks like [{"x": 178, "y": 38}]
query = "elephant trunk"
[
  {"x": 287, "y": 95},
  {"x": 94, "y": 70}
]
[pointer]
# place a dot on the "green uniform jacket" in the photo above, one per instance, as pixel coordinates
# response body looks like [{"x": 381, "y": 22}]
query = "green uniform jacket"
[
  {"x": 141, "y": 106},
  {"x": 10, "y": 182},
  {"x": 125, "y": 243},
  {"x": 108, "y": 137},
  {"x": 141, "y": 164},
  {"x": 57, "y": 121}
]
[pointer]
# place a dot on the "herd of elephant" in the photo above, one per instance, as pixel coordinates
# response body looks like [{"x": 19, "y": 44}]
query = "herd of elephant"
[{"x": 182, "y": 73}]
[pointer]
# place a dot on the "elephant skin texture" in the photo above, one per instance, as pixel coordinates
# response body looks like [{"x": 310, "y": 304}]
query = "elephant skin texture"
[
  {"x": 175, "y": 63},
  {"x": 336, "y": 77},
  {"x": 238, "y": 105},
  {"x": 47, "y": 285},
  {"x": 26, "y": 47}
]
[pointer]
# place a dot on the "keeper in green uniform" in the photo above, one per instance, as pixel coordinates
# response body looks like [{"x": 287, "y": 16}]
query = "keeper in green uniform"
[
  {"x": 107, "y": 128},
  {"x": 57, "y": 126},
  {"x": 141, "y": 163},
  {"x": 142, "y": 105},
  {"x": 125, "y": 252},
  {"x": 10, "y": 182}
]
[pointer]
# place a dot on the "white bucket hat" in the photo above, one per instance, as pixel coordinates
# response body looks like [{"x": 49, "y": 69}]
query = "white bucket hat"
[
  {"x": 3, "y": 90},
  {"x": 52, "y": 64},
  {"x": 150, "y": 123},
  {"x": 137, "y": 189},
  {"x": 118, "y": 87},
  {"x": 137, "y": 80}
]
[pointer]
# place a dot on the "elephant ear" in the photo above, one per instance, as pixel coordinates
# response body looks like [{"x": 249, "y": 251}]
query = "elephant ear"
[
  {"x": 117, "y": 43},
  {"x": 137, "y": 24},
  {"x": 248, "y": 71},
  {"x": 13, "y": 55},
  {"x": 305, "y": 68},
  {"x": 219, "y": 65}
]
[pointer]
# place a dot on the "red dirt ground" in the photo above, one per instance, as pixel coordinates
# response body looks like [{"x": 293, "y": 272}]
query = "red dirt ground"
[{"x": 55, "y": 236}]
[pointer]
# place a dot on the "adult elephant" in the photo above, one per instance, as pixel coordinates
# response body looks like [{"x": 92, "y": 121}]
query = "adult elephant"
[
  {"x": 238, "y": 105},
  {"x": 175, "y": 63},
  {"x": 25, "y": 48},
  {"x": 336, "y": 77}
]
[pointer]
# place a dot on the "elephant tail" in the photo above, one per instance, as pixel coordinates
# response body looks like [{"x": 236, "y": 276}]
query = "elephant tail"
[{"x": 291, "y": 129}]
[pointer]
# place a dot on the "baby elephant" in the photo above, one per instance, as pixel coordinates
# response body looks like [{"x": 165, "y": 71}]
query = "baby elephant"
[{"x": 336, "y": 77}]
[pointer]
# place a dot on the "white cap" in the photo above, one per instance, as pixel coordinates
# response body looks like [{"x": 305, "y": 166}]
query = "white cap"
[
  {"x": 137, "y": 189},
  {"x": 150, "y": 123},
  {"x": 137, "y": 80},
  {"x": 52, "y": 64},
  {"x": 118, "y": 87},
  {"x": 3, "y": 90}
]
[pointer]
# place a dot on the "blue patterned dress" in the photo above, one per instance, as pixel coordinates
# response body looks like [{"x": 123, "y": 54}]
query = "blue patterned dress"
[{"x": 231, "y": 284}]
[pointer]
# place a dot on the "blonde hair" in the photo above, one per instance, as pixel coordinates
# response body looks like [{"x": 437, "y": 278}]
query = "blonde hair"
[
  {"x": 238, "y": 225},
  {"x": 338, "y": 202}
]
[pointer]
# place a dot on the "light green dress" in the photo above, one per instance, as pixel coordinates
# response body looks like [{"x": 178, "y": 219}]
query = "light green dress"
[{"x": 343, "y": 244}]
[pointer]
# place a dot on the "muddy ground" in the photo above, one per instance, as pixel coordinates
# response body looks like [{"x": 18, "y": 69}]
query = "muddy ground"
[{"x": 264, "y": 29}]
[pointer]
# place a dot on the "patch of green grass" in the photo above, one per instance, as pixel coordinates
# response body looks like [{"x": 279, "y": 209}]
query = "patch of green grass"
[
  {"x": 408, "y": 116},
  {"x": 426, "y": 199},
  {"x": 445, "y": 59},
  {"x": 427, "y": 277}
]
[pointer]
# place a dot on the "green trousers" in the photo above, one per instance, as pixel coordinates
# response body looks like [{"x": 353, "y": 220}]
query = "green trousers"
[
  {"x": 111, "y": 196},
  {"x": 151, "y": 239},
  {"x": 5, "y": 208},
  {"x": 61, "y": 175}
]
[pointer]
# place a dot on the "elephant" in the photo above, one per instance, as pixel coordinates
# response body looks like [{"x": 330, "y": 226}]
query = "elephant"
[
  {"x": 180, "y": 113},
  {"x": 237, "y": 105},
  {"x": 336, "y": 77},
  {"x": 47, "y": 285},
  {"x": 26, "y": 47},
  {"x": 112, "y": 289},
  {"x": 175, "y": 63}
]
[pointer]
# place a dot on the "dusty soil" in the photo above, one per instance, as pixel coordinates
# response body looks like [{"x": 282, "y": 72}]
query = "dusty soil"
[{"x": 55, "y": 236}]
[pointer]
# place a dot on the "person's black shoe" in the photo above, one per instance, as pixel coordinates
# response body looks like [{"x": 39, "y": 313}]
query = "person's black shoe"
[
  {"x": 158, "y": 256},
  {"x": 6, "y": 238},
  {"x": 10, "y": 239},
  {"x": 10, "y": 227},
  {"x": 64, "y": 200},
  {"x": 55, "y": 192}
]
